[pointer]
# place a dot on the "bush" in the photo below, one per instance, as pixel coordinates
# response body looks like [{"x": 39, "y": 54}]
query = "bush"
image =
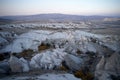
[
  {"x": 93, "y": 40},
  {"x": 43, "y": 47},
  {"x": 78, "y": 51},
  {"x": 27, "y": 54},
  {"x": 84, "y": 75},
  {"x": 63, "y": 68}
]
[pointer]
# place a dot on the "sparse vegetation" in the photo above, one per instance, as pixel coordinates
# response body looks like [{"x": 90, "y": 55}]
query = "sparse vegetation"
[
  {"x": 84, "y": 75},
  {"x": 43, "y": 47},
  {"x": 93, "y": 40},
  {"x": 63, "y": 68},
  {"x": 27, "y": 54},
  {"x": 78, "y": 51}
]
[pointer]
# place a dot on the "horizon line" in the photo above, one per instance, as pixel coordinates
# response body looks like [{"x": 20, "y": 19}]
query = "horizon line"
[{"x": 61, "y": 14}]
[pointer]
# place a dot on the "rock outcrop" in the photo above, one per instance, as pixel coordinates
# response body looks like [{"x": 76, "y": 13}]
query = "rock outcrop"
[
  {"x": 113, "y": 64},
  {"x": 48, "y": 59},
  {"x": 25, "y": 66},
  {"x": 4, "y": 67},
  {"x": 73, "y": 62},
  {"x": 15, "y": 64},
  {"x": 108, "y": 68}
]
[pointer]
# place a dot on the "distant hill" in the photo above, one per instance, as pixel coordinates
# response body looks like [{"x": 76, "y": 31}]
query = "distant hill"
[
  {"x": 50, "y": 18},
  {"x": 4, "y": 21}
]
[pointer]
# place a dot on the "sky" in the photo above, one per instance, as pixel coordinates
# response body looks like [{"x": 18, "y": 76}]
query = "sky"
[{"x": 78, "y": 7}]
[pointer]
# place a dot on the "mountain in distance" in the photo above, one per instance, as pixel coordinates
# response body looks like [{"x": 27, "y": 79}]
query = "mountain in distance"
[{"x": 51, "y": 18}]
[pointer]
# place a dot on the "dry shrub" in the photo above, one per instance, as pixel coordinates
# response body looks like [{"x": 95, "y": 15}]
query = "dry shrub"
[
  {"x": 63, "y": 68},
  {"x": 78, "y": 51},
  {"x": 43, "y": 47},
  {"x": 93, "y": 40},
  {"x": 83, "y": 75},
  {"x": 79, "y": 74},
  {"x": 27, "y": 54}
]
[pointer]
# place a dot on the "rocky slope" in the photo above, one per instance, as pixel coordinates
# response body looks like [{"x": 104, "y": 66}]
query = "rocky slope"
[{"x": 84, "y": 54}]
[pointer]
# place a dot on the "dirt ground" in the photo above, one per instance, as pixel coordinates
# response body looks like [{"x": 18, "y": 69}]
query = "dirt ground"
[{"x": 106, "y": 31}]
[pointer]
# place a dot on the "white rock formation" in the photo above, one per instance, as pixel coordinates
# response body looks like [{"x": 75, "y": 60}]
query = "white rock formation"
[
  {"x": 33, "y": 39},
  {"x": 113, "y": 64},
  {"x": 25, "y": 66},
  {"x": 108, "y": 66},
  {"x": 15, "y": 64},
  {"x": 73, "y": 62},
  {"x": 47, "y": 76},
  {"x": 48, "y": 59},
  {"x": 101, "y": 64},
  {"x": 3, "y": 42},
  {"x": 4, "y": 67}
]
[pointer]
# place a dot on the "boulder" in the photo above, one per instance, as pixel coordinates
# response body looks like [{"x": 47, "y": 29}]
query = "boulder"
[
  {"x": 108, "y": 68},
  {"x": 105, "y": 76},
  {"x": 73, "y": 62},
  {"x": 113, "y": 64},
  {"x": 25, "y": 66},
  {"x": 15, "y": 64},
  {"x": 4, "y": 67},
  {"x": 101, "y": 64},
  {"x": 48, "y": 59}
]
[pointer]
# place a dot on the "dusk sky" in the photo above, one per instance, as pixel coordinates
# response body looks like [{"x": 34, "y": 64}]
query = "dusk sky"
[{"x": 79, "y": 7}]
